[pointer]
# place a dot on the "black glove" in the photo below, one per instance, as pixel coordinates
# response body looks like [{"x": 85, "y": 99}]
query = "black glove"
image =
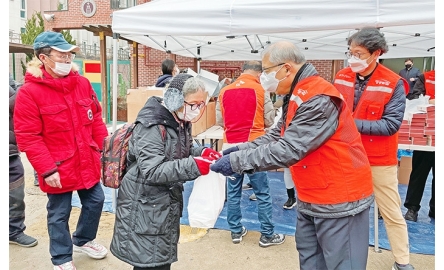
[
  {"x": 223, "y": 165},
  {"x": 229, "y": 150}
]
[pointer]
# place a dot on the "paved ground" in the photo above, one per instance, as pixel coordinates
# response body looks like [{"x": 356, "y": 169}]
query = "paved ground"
[{"x": 198, "y": 249}]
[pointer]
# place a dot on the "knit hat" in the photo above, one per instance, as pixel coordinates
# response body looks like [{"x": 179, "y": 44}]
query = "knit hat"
[{"x": 173, "y": 97}]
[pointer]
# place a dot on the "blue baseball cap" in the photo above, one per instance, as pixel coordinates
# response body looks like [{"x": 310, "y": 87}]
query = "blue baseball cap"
[{"x": 55, "y": 41}]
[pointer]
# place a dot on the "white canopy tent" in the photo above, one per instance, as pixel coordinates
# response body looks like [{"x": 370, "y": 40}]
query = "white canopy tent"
[{"x": 240, "y": 29}]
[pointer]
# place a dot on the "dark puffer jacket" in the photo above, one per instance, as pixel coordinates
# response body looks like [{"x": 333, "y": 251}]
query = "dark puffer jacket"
[
  {"x": 163, "y": 80},
  {"x": 149, "y": 202},
  {"x": 13, "y": 149}
]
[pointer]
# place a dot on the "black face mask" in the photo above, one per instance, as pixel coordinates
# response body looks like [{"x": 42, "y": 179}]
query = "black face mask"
[{"x": 408, "y": 65}]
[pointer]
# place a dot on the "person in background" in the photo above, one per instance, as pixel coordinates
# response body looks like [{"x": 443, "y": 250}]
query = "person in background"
[
  {"x": 16, "y": 182},
  {"x": 317, "y": 139},
  {"x": 289, "y": 185},
  {"x": 410, "y": 74},
  {"x": 150, "y": 199},
  {"x": 58, "y": 123},
  {"x": 422, "y": 161},
  {"x": 169, "y": 70},
  {"x": 245, "y": 110},
  {"x": 378, "y": 110}
]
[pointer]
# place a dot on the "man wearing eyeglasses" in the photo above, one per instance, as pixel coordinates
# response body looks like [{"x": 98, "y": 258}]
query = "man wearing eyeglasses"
[
  {"x": 245, "y": 110},
  {"x": 316, "y": 138},
  {"x": 376, "y": 96},
  {"x": 58, "y": 123}
]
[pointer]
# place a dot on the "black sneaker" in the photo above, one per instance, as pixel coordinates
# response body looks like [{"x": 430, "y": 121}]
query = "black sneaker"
[
  {"x": 237, "y": 237},
  {"x": 397, "y": 266},
  {"x": 411, "y": 215},
  {"x": 290, "y": 203},
  {"x": 247, "y": 186},
  {"x": 275, "y": 239},
  {"x": 24, "y": 240}
]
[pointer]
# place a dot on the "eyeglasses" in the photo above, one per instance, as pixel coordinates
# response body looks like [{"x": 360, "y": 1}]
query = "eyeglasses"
[
  {"x": 263, "y": 69},
  {"x": 357, "y": 55},
  {"x": 64, "y": 57},
  {"x": 196, "y": 105}
]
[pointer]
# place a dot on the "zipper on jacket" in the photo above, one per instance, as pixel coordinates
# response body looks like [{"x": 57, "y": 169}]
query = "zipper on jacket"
[{"x": 95, "y": 102}]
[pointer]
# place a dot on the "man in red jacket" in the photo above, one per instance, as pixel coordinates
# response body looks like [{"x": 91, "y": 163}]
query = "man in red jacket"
[{"x": 58, "y": 124}]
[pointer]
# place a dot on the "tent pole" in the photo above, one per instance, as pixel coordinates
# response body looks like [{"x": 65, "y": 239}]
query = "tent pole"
[{"x": 115, "y": 59}]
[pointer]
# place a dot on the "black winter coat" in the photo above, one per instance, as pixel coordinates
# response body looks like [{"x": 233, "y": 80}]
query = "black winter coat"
[
  {"x": 149, "y": 202},
  {"x": 13, "y": 149}
]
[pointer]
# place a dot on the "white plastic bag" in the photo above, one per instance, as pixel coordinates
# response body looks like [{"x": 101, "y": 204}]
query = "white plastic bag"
[
  {"x": 411, "y": 106},
  {"x": 206, "y": 200}
]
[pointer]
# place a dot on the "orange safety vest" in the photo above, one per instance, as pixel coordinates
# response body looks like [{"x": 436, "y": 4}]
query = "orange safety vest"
[
  {"x": 242, "y": 108},
  {"x": 338, "y": 171},
  {"x": 381, "y": 150},
  {"x": 429, "y": 83}
]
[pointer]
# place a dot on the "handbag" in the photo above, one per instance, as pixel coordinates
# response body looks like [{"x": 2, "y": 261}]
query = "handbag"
[{"x": 206, "y": 200}]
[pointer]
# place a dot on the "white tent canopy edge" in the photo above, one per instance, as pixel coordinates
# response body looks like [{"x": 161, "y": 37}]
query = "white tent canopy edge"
[{"x": 240, "y": 29}]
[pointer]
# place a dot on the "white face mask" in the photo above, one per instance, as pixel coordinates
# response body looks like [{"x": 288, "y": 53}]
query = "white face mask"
[
  {"x": 189, "y": 114},
  {"x": 269, "y": 81},
  {"x": 61, "y": 69},
  {"x": 358, "y": 65}
]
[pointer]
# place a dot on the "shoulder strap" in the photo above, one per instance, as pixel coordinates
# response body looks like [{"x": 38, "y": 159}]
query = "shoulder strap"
[{"x": 163, "y": 131}]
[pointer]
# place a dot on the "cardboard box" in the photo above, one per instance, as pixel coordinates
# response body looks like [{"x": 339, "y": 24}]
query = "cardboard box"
[
  {"x": 136, "y": 99},
  {"x": 211, "y": 114},
  {"x": 201, "y": 125},
  {"x": 404, "y": 169}
]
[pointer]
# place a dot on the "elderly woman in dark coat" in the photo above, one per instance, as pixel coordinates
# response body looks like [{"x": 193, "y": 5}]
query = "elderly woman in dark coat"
[{"x": 161, "y": 157}]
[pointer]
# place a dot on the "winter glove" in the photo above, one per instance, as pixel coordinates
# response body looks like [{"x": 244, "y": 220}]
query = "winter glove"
[
  {"x": 223, "y": 165},
  {"x": 203, "y": 164},
  {"x": 211, "y": 153},
  {"x": 229, "y": 150}
]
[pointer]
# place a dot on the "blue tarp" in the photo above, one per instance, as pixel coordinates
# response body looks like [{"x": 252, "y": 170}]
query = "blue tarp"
[{"x": 421, "y": 233}]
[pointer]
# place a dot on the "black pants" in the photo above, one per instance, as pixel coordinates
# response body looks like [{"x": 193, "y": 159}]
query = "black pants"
[
  {"x": 422, "y": 162},
  {"x": 16, "y": 197},
  {"x": 162, "y": 267}
]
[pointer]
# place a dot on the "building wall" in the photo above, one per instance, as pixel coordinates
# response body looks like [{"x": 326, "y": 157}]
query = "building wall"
[
  {"x": 150, "y": 61},
  {"x": 15, "y": 21}
]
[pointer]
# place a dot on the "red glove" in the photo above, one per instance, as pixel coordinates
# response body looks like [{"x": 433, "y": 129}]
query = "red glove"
[
  {"x": 203, "y": 164},
  {"x": 211, "y": 153}
]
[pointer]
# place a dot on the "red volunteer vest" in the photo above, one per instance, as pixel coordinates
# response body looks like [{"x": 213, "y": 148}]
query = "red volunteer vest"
[
  {"x": 338, "y": 171},
  {"x": 242, "y": 108},
  {"x": 429, "y": 83},
  {"x": 381, "y": 150}
]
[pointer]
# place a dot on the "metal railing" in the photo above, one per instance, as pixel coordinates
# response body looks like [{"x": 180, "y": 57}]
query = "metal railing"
[
  {"x": 14, "y": 37},
  {"x": 86, "y": 51}
]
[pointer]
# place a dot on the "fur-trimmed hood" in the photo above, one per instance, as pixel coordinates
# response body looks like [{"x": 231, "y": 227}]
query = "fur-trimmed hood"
[{"x": 34, "y": 67}]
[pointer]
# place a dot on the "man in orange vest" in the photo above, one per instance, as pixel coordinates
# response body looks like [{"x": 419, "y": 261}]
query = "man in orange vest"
[
  {"x": 422, "y": 161},
  {"x": 376, "y": 96},
  {"x": 245, "y": 110},
  {"x": 316, "y": 138}
]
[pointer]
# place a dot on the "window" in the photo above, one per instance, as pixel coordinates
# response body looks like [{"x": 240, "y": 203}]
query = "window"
[
  {"x": 118, "y": 4},
  {"x": 23, "y": 9}
]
